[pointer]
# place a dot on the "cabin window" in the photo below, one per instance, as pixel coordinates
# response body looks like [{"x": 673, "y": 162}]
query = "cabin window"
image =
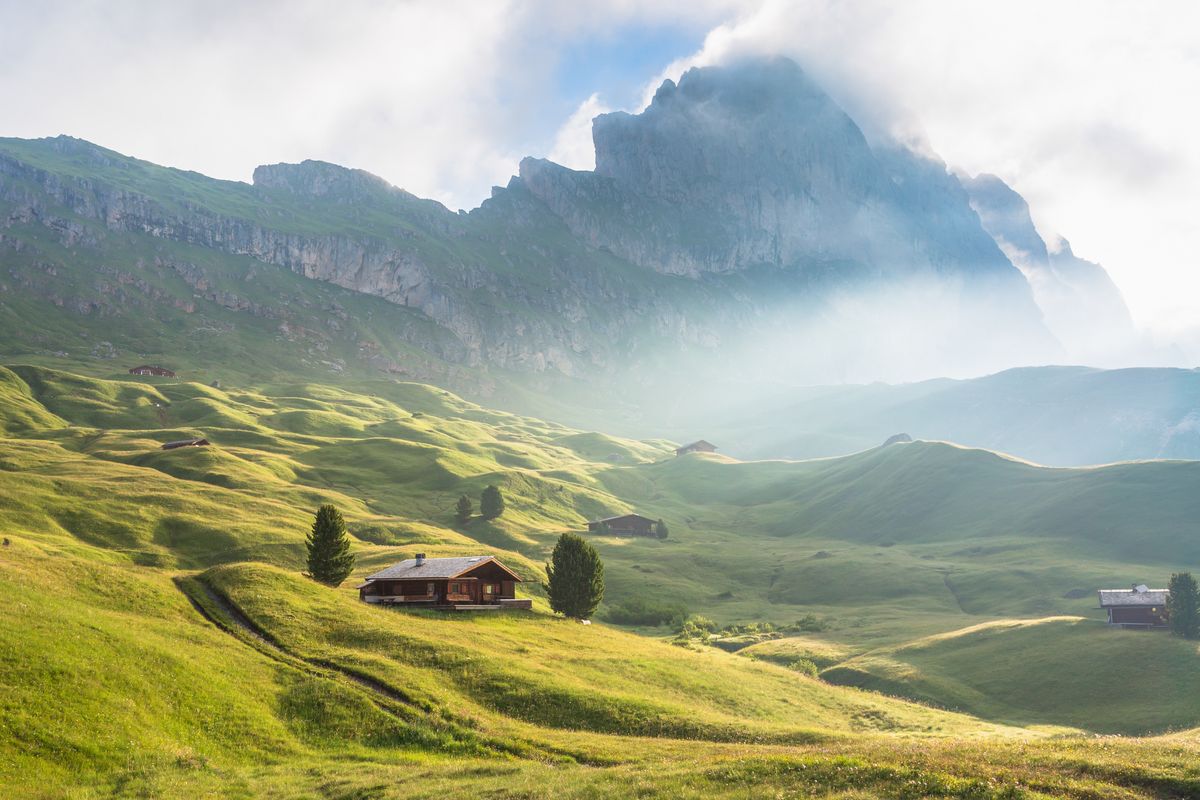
[
  {"x": 489, "y": 588},
  {"x": 429, "y": 588}
]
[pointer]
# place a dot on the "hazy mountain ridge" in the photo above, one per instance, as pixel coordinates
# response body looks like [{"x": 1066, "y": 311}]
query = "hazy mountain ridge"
[
  {"x": 743, "y": 203},
  {"x": 1081, "y": 304}
]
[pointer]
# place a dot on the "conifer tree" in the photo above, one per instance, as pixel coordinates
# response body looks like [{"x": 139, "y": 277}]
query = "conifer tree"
[
  {"x": 491, "y": 503},
  {"x": 329, "y": 558},
  {"x": 660, "y": 530},
  {"x": 575, "y": 577},
  {"x": 1183, "y": 605},
  {"x": 464, "y": 510}
]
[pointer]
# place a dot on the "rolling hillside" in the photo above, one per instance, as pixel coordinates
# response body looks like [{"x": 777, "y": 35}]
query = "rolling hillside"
[
  {"x": 1057, "y": 670},
  {"x": 163, "y": 643}
]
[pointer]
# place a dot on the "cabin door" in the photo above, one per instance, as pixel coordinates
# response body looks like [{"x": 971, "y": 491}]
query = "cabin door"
[{"x": 488, "y": 592}]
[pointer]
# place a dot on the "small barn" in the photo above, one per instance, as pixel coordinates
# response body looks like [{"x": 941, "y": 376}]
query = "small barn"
[
  {"x": 696, "y": 447},
  {"x": 148, "y": 369},
  {"x": 1136, "y": 607},
  {"x": 463, "y": 583},
  {"x": 624, "y": 525},
  {"x": 186, "y": 443}
]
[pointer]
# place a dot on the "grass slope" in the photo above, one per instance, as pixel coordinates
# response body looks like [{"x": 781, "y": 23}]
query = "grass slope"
[
  {"x": 1059, "y": 670},
  {"x": 162, "y": 642}
]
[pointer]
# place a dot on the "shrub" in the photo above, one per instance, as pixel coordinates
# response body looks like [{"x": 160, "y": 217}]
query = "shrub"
[
  {"x": 804, "y": 666},
  {"x": 639, "y": 611},
  {"x": 809, "y": 623}
]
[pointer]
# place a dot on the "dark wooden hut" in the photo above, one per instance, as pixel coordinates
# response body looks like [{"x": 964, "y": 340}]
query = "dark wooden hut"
[
  {"x": 464, "y": 583},
  {"x": 1136, "y": 607},
  {"x": 623, "y": 525}
]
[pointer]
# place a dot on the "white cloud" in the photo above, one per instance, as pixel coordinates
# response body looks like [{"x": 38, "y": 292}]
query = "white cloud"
[
  {"x": 410, "y": 91},
  {"x": 573, "y": 144}
]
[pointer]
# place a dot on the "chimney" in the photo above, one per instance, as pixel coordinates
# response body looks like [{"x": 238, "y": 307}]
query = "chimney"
[{"x": 420, "y": 559}]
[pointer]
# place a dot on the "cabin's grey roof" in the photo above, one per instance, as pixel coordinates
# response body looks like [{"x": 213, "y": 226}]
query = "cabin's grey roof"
[
  {"x": 697, "y": 443},
  {"x": 622, "y": 516},
  {"x": 435, "y": 568},
  {"x": 1141, "y": 596}
]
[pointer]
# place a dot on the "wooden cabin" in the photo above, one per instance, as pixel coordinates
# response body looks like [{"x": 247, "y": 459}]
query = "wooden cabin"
[
  {"x": 186, "y": 443},
  {"x": 696, "y": 447},
  {"x": 464, "y": 583},
  {"x": 147, "y": 369},
  {"x": 624, "y": 525},
  {"x": 1136, "y": 607}
]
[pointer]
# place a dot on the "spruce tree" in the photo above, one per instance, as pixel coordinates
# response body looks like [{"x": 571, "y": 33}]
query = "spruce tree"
[
  {"x": 576, "y": 577},
  {"x": 491, "y": 503},
  {"x": 464, "y": 510},
  {"x": 329, "y": 558},
  {"x": 660, "y": 530},
  {"x": 1183, "y": 605}
]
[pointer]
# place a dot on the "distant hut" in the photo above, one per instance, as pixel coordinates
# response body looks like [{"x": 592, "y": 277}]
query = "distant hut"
[
  {"x": 150, "y": 369},
  {"x": 1136, "y": 607},
  {"x": 623, "y": 525},
  {"x": 696, "y": 447},
  {"x": 186, "y": 443}
]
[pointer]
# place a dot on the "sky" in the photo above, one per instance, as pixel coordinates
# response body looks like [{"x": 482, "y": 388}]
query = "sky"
[{"x": 1088, "y": 109}]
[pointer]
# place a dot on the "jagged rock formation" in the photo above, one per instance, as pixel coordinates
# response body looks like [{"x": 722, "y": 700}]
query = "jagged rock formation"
[
  {"x": 1081, "y": 304},
  {"x": 741, "y": 209}
]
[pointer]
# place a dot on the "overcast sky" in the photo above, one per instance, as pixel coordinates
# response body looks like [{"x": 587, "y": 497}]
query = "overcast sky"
[{"x": 1087, "y": 108}]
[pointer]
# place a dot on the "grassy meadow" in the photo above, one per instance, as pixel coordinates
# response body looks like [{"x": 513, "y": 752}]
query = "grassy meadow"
[{"x": 161, "y": 642}]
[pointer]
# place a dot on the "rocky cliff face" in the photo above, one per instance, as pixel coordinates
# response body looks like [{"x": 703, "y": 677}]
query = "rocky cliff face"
[{"x": 742, "y": 203}]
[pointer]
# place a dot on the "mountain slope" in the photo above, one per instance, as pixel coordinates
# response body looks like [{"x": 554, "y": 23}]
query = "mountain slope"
[{"x": 741, "y": 206}]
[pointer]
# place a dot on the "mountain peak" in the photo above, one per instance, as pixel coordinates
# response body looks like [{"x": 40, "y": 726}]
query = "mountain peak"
[
  {"x": 322, "y": 179},
  {"x": 754, "y": 122}
]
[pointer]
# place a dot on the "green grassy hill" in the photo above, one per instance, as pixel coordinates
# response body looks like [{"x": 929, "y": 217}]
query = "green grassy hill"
[
  {"x": 161, "y": 642},
  {"x": 1058, "y": 670}
]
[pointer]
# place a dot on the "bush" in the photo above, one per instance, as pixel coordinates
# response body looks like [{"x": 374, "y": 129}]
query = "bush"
[
  {"x": 809, "y": 623},
  {"x": 804, "y": 666},
  {"x": 639, "y": 611}
]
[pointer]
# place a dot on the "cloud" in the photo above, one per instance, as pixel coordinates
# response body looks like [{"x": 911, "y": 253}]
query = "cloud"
[{"x": 573, "y": 144}]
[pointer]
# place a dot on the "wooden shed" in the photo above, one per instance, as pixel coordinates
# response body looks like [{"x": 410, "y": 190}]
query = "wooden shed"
[
  {"x": 623, "y": 525},
  {"x": 700, "y": 446},
  {"x": 200, "y": 442},
  {"x": 1136, "y": 607}
]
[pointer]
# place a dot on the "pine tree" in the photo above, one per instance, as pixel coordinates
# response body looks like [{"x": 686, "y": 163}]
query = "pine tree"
[
  {"x": 1183, "y": 605},
  {"x": 576, "y": 577},
  {"x": 491, "y": 503},
  {"x": 464, "y": 510},
  {"x": 329, "y": 558},
  {"x": 660, "y": 530}
]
